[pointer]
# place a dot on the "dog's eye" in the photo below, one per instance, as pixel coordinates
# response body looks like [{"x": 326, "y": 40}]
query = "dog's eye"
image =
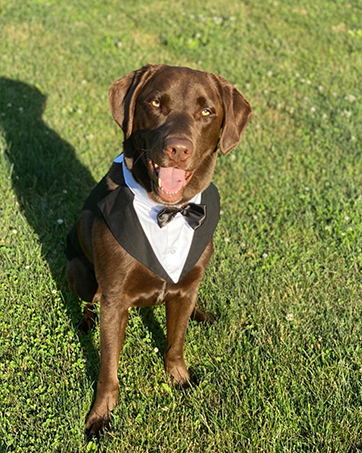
[
  {"x": 156, "y": 103},
  {"x": 206, "y": 112}
]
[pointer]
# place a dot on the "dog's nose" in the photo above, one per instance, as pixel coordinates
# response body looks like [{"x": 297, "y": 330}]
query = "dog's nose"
[{"x": 177, "y": 149}]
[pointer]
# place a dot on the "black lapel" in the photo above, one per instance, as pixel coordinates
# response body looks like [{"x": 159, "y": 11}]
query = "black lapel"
[
  {"x": 202, "y": 236},
  {"x": 118, "y": 213}
]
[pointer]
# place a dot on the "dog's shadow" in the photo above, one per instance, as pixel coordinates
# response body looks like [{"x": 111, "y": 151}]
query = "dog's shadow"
[{"x": 51, "y": 186}]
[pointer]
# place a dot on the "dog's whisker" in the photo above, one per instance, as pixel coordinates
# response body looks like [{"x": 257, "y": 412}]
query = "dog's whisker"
[{"x": 139, "y": 157}]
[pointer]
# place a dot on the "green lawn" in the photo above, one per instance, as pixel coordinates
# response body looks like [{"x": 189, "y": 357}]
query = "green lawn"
[{"x": 281, "y": 370}]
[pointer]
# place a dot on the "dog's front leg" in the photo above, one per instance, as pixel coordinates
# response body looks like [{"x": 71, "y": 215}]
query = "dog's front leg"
[
  {"x": 113, "y": 322},
  {"x": 178, "y": 312}
]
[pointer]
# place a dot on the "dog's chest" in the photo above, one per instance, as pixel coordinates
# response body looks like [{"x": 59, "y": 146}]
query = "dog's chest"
[{"x": 161, "y": 295}]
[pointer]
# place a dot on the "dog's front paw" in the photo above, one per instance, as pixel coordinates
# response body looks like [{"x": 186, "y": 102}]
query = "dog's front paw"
[
  {"x": 99, "y": 418},
  {"x": 179, "y": 374},
  {"x": 97, "y": 423}
]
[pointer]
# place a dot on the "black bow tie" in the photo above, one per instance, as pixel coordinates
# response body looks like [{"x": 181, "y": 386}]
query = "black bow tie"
[{"x": 194, "y": 214}]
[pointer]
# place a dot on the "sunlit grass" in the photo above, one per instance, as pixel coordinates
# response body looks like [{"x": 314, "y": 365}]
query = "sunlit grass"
[{"x": 281, "y": 370}]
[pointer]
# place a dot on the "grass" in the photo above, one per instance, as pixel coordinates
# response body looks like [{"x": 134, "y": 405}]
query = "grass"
[{"x": 281, "y": 370}]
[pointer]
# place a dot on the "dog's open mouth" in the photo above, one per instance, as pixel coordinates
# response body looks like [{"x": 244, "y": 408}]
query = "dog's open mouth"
[{"x": 171, "y": 181}]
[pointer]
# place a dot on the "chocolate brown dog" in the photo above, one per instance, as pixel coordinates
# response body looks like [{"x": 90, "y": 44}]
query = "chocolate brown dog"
[{"x": 144, "y": 236}]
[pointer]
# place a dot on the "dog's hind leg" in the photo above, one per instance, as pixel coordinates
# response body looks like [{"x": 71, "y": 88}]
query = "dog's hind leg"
[
  {"x": 88, "y": 322},
  {"x": 82, "y": 282},
  {"x": 200, "y": 316}
]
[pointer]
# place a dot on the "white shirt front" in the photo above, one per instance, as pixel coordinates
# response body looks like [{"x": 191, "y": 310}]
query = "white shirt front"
[{"x": 171, "y": 244}]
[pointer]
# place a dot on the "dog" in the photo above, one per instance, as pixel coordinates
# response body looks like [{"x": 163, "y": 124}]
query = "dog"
[{"x": 144, "y": 236}]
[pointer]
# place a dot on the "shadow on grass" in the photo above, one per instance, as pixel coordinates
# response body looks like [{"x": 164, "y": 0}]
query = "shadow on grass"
[
  {"x": 50, "y": 184},
  {"x": 151, "y": 323}
]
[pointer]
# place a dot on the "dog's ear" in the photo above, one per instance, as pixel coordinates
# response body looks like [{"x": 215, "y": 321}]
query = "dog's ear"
[
  {"x": 237, "y": 112},
  {"x": 123, "y": 95}
]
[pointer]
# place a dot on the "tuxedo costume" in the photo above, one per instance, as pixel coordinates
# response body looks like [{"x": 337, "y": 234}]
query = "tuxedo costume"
[{"x": 171, "y": 251}]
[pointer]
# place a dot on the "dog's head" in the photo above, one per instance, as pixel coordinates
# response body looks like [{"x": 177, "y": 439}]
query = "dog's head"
[{"x": 173, "y": 121}]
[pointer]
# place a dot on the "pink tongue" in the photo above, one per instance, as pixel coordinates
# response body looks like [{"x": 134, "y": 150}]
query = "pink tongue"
[{"x": 172, "y": 179}]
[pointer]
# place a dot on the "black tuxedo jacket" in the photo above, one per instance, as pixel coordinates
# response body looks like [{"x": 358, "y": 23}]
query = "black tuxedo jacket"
[{"x": 115, "y": 209}]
